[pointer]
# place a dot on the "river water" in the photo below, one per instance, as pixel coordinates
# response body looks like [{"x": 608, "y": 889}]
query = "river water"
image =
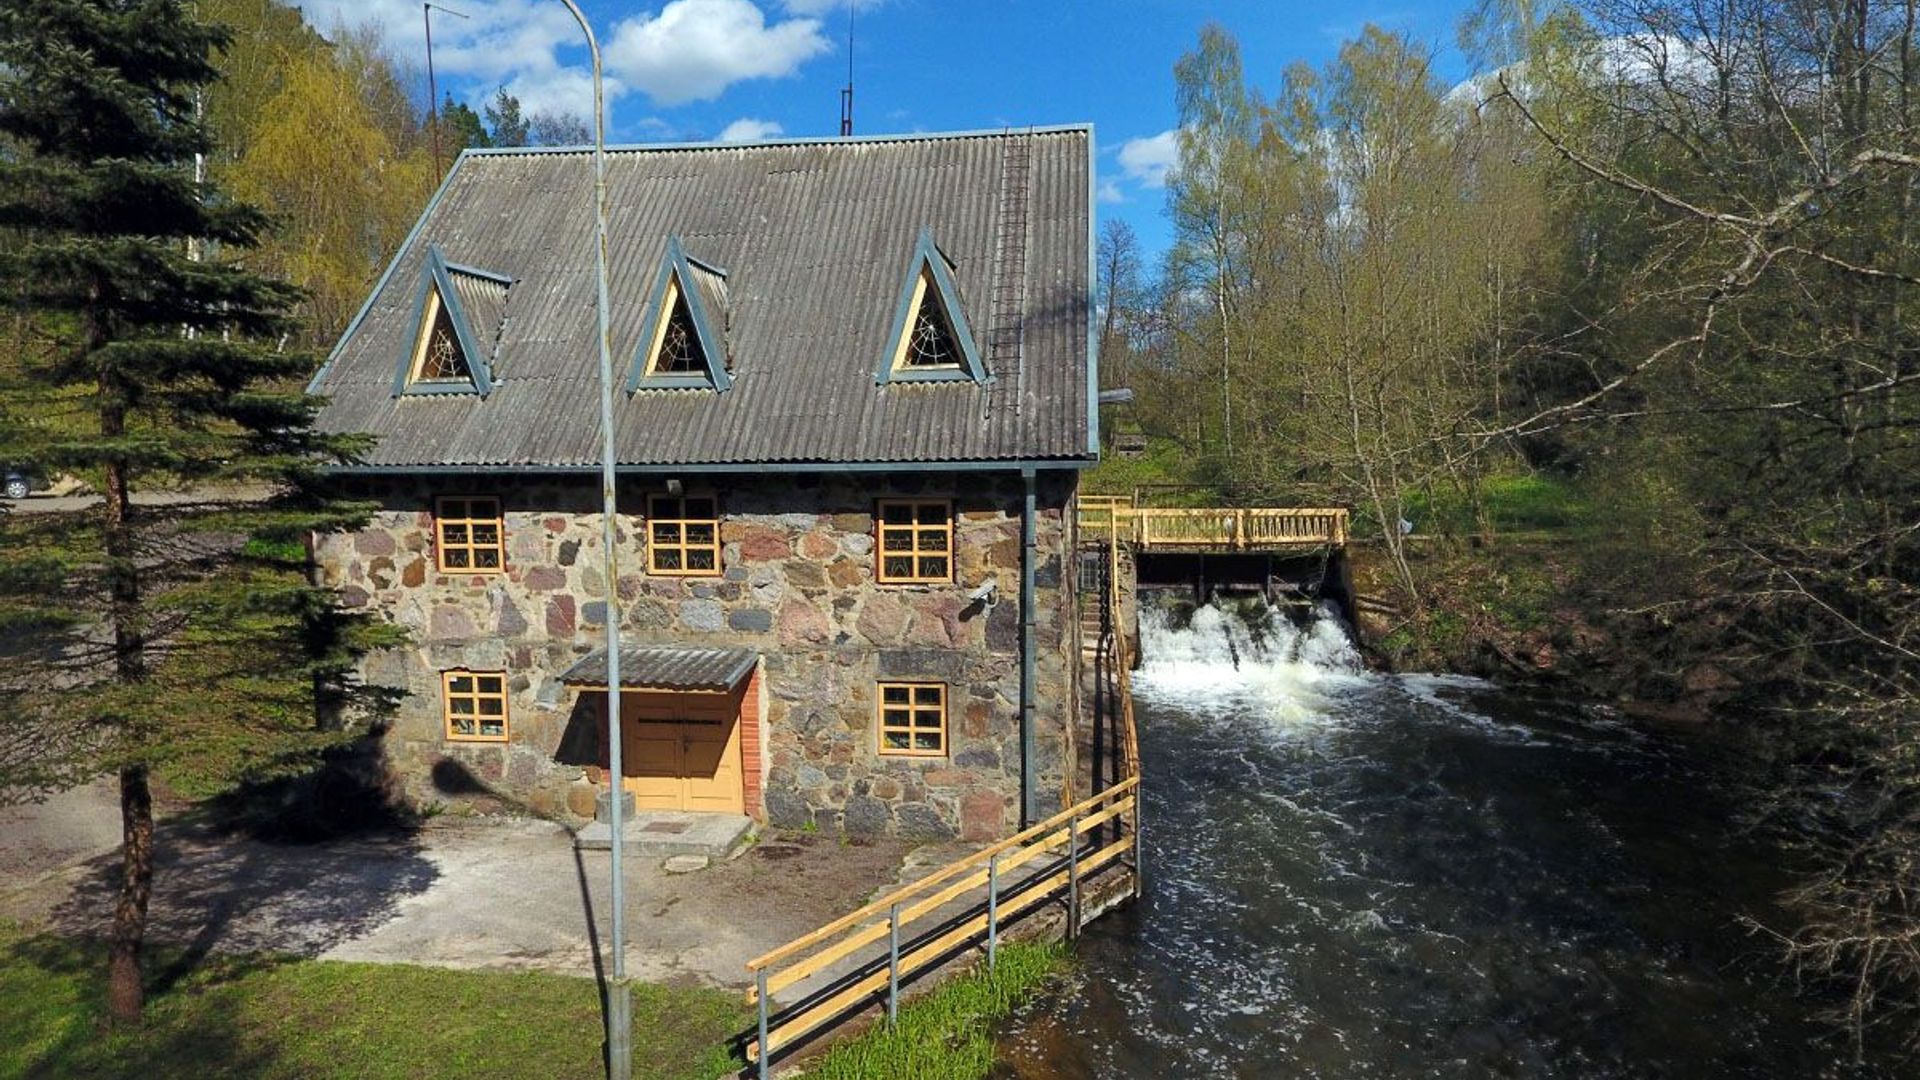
[{"x": 1352, "y": 875}]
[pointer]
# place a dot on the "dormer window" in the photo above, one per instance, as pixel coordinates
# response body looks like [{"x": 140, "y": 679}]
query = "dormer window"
[
  {"x": 683, "y": 346},
  {"x": 438, "y": 356},
  {"x": 678, "y": 351},
  {"x": 460, "y": 311},
  {"x": 930, "y": 341}
]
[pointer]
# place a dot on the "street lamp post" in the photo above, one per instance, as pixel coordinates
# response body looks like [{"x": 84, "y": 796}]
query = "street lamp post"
[{"x": 619, "y": 994}]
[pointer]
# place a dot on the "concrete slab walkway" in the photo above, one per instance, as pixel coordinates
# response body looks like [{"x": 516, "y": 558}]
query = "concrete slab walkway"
[{"x": 510, "y": 893}]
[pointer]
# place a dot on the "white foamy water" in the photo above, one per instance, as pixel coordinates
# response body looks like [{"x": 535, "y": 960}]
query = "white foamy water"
[{"x": 1218, "y": 665}]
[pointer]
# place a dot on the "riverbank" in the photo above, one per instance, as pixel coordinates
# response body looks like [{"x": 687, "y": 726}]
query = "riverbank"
[
  {"x": 1532, "y": 612},
  {"x": 949, "y": 1033}
]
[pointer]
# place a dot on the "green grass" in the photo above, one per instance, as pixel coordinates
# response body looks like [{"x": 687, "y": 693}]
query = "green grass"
[
  {"x": 1166, "y": 469},
  {"x": 1521, "y": 503},
  {"x": 271, "y": 1018},
  {"x": 948, "y": 1034}
]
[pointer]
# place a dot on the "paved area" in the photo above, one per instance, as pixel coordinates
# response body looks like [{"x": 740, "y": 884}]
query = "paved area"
[
  {"x": 508, "y": 893},
  {"x": 38, "y": 838}
]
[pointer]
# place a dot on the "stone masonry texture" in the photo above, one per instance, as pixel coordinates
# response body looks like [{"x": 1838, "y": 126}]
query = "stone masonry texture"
[{"x": 797, "y": 586}]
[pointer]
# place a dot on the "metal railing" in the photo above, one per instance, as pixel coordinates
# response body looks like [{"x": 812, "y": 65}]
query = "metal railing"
[{"x": 921, "y": 929}]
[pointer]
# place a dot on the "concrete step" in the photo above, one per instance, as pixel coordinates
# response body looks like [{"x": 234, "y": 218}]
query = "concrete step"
[{"x": 663, "y": 832}]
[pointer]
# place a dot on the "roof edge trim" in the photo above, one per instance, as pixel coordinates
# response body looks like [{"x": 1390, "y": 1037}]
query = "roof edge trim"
[
  {"x": 1084, "y": 127},
  {"x": 1073, "y": 464}
]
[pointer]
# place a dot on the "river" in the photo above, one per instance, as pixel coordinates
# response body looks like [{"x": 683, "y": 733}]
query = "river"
[{"x": 1352, "y": 875}]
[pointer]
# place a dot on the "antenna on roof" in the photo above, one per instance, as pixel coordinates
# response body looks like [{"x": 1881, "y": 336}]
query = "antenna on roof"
[
  {"x": 433, "y": 103},
  {"x": 846, "y": 92}
]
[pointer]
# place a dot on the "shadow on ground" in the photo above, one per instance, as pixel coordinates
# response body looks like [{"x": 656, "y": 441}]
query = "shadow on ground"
[{"x": 244, "y": 895}]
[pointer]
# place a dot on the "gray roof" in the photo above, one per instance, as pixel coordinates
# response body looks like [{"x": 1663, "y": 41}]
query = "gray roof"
[
  {"x": 660, "y": 667},
  {"x": 815, "y": 238}
]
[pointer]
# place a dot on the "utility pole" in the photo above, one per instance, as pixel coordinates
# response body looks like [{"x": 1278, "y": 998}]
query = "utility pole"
[
  {"x": 619, "y": 992},
  {"x": 433, "y": 91}
]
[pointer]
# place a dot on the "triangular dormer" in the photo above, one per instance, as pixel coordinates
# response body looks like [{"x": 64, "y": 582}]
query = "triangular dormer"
[
  {"x": 930, "y": 340},
  {"x": 683, "y": 345},
  {"x": 457, "y": 314}
]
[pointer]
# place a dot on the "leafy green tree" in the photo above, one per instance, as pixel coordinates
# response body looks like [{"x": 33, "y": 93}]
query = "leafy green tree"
[
  {"x": 505, "y": 125},
  {"x": 185, "y": 640},
  {"x": 460, "y": 126}
]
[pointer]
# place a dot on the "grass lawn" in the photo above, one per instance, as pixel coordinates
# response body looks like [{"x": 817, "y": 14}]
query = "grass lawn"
[
  {"x": 310, "y": 1019},
  {"x": 948, "y": 1034}
]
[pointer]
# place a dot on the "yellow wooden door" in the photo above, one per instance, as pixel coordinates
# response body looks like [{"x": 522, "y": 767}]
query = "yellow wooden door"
[
  {"x": 682, "y": 752},
  {"x": 711, "y": 758}
]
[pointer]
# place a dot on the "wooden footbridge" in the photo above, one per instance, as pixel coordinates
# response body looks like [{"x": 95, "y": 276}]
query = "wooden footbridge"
[{"x": 1121, "y": 519}]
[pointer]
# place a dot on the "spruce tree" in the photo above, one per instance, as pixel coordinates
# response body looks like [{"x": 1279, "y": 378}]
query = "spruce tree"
[{"x": 182, "y": 640}]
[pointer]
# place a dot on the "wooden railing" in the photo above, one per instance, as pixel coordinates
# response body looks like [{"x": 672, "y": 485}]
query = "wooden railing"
[
  {"x": 1048, "y": 862},
  {"x": 1223, "y": 528}
]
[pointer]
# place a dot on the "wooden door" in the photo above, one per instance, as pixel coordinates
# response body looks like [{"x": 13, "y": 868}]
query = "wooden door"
[{"x": 682, "y": 752}]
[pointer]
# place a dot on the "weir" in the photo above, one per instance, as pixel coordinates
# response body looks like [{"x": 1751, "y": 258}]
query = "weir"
[{"x": 1294, "y": 558}]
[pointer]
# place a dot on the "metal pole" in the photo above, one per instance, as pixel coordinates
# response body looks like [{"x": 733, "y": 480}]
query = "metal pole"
[
  {"x": 619, "y": 993},
  {"x": 1139, "y": 886},
  {"x": 893, "y": 963},
  {"x": 761, "y": 1053},
  {"x": 433, "y": 90},
  {"x": 1073, "y": 876},
  {"x": 993, "y": 910}
]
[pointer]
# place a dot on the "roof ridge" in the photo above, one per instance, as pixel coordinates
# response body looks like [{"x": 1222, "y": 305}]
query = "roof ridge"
[{"x": 1084, "y": 127}]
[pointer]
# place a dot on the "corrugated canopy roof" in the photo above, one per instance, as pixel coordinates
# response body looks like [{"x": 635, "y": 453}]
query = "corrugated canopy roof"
[
  {"x": 816, "y": 239},
  {"x": 662, "y": 667}
]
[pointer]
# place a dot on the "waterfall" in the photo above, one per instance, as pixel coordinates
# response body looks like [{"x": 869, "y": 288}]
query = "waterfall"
[{"x": 1246, "y": 655}]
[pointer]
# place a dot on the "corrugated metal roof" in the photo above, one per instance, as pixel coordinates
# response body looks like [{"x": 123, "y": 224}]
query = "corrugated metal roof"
[
  {"x": 660, "y": 667},
  {"x": 813, "y": 236},
  {"x": 484, "y": 302}
]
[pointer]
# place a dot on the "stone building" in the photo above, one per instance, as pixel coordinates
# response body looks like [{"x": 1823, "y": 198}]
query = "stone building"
[{"x": 857, "y": 382}]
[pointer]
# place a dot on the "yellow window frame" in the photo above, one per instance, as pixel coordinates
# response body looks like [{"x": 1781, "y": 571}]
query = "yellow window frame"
[
  {"x": 926, "y": 545},
  {"x": 680, "y": 544},
  {"x": 669, "y": 307},
  {"x": 460, "y": 525},
  {"x": 430, "y": 321},
  {"x": 911, "y": 719},
  {"x": 472, "y": 702}
]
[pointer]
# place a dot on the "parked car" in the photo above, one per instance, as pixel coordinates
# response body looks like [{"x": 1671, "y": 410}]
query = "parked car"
[{"x": 19, "y": 482}]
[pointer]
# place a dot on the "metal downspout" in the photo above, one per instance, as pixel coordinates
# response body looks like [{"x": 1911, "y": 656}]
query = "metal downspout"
[{"x": 1028, "y": 542}]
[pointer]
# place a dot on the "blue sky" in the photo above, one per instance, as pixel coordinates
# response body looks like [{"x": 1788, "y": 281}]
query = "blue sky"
[{"x": 693, "y": 70}]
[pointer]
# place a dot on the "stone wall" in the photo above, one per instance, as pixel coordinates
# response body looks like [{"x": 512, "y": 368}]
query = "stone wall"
[{"x": 798, "y": 586}]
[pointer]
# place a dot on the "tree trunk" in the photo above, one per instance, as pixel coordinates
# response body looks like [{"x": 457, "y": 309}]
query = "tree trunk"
[{"x": 125, "y": 994}]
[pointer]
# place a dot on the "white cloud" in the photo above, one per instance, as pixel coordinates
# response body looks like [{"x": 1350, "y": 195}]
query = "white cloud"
[
  {"x": 691, "y": 50},
  {"x": 748, "y": 129},
  {"x": 1110, "y": 192},
  {"x": 1147, "y": 161},
  {"x": 694, "y": 49}
]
